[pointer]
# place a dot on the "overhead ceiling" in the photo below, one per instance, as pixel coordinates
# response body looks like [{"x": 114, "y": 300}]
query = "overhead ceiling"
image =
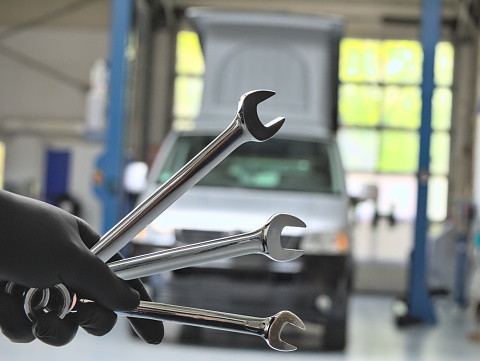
[{"x": 363, "y": 18}]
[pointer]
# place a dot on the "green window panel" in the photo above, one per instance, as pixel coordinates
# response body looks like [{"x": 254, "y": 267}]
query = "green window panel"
[
  {"x": 189, "y": 58},
  {"x": 360, "y": 105},
  {"x": 439, "y": 153},
  {"x": 402, "y": 62},
  {"x": 402, "y": 107},
  {"x": 399, "y": 151},
  {"x": 441, "y": 109},
  {"x": 443, "y": 67},
  {"x": 437, "y": 198},
  {"x": 188, "y": 91},
  {"x": 359, "y": 149},
  {"x": 359, "y": 60}
]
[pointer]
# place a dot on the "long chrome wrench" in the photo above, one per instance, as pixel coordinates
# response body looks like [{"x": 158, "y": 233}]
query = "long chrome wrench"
[
  {"x": 245, "y": 127},
  {"x": 268, "y": 328}
]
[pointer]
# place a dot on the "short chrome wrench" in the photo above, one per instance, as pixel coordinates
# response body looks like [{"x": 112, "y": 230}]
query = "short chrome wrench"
[
  {"x": 265, "y": 240},
  {"x": 268, "y": 328}
]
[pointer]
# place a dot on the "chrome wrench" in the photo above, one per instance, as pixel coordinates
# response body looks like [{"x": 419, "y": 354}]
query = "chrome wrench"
[
  {"x": 268, "y": 328},
  {"x": 265, "y": 240},
  {"x": 245, "y": 127}
]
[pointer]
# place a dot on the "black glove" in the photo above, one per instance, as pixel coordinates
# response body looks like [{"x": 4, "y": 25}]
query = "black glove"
[{"x": 41, "y": 246}]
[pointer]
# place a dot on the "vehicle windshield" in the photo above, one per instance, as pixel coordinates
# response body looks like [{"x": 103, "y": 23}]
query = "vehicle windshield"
[{"x": 279, "y": 164}]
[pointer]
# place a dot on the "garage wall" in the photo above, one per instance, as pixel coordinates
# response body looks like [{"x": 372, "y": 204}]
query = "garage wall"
[
  {"x": 30, "y": 93},
  {"x": 31, "y": 100}
]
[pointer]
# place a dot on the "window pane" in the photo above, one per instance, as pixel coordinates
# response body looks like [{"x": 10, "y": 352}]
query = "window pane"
[
  {"x": 437, "y": 198},
  {"x": 359, "y": 60},
  {"x": 279, "y": 164},
  {"x": 402, "y": 107},
  {"x": 360, "y": 105},
  {"x": 439, "y": 153},
  {"x": 402, "y": 62},
  {"x": 444, "y": 64},
  {"x": 187, "y": 97},
  {"x": 359, "y": 149},
  {"x": 189, "y": 54},
  {"x": 399, "y": 151},
  {"x": 441, "y": 108}
]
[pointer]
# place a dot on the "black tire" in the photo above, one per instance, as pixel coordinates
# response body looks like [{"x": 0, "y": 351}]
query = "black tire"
[
  {"x": 191, "y": 335},
  {"x": 335, "y": 337}
]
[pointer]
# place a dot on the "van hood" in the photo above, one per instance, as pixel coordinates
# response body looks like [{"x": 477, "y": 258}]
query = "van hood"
[{"x": 231, "y": 210}]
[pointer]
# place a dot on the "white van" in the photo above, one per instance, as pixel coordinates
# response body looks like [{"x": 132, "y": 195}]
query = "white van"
[{"x": 298, "y": 171}]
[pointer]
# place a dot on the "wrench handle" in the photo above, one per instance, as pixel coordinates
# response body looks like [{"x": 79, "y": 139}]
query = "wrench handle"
[
  {"x": 187, "y": 256},
  {"x": 202, "y": 318},
  {"x": 140, "y": 217}
]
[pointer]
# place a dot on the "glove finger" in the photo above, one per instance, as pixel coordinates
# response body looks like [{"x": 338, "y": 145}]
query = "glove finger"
[
  {"x": 150, "y": 331},
  {"x": 13, "y": 322},
  {"x": 95, "y": 319},
  {"x": 88, "y": 275},
  {"x": 87, "y": 233},
  {"x": 54, "y": 331},
  {"x": 95, "y": 279}
]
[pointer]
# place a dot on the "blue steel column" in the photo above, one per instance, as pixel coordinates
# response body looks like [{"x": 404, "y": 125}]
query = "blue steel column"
[
  {"x": 111, "y": 163},
  {"x": 419, "y": 303}
]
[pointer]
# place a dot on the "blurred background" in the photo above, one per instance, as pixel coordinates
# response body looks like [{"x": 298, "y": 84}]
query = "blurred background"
[{"x": 102, "y": 100}]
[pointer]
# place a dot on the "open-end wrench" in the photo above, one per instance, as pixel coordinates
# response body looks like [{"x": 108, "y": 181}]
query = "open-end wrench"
[
  {"x": 245, "y": 127},
  {"x": 265, "y": 240},
  {"x": 269, "y": 328}
]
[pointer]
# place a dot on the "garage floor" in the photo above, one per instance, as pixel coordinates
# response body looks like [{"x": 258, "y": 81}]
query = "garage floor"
[{"x": 373, "y": 336}]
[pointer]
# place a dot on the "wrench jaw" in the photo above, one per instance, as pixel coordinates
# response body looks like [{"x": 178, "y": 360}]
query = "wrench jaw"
[
  {"x": 279, "y": 321},
  {"x": 247, "y": 112},
  {"x": 272, "y": 237}
]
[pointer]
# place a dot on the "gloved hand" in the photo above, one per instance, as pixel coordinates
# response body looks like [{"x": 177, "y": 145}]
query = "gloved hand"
[{"x": 41, "y": 246}]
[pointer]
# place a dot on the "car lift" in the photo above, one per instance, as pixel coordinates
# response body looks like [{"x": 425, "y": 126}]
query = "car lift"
[
  {"x": 418, "y": 302},
  {"x": 111, "y": 164}
]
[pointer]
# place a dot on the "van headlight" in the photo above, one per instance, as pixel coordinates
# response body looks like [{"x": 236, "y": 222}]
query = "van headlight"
[
  {"x": 326, "y": 243},
  {"x": 155, "y": 236}
]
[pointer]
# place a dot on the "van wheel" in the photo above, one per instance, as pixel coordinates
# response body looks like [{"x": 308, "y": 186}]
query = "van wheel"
[
  {"x": 335, "y": 337},
  {"x": 191, "y": 335}
]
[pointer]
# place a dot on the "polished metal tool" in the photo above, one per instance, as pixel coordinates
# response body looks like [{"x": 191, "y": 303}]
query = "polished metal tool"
[
  {"x": 245, "y": 127},
  {"x": 268, "y": 328},
  {"x": 265, "y": 240}
]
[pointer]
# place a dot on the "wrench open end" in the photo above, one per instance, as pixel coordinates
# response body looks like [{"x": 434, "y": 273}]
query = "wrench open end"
[
  {"x": 273, "y": 240},
  {"x": 247, "y": 109},
  {"x": 280, "y": 320}
]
